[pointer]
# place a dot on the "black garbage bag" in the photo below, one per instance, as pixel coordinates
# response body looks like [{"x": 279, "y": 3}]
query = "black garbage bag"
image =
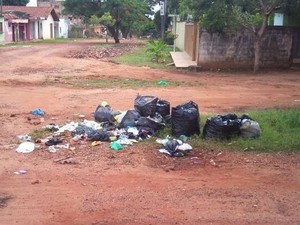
[
  {"x": 104, "y": 114},
  {"x": 130, "y": 119},
  {"x": 155, "y": 123},
  {"x": 101, "y": 135},
  {"x": 163, "y": 108},
  {"x": 83, "y": 130},
  {"x": 185, "y": 119},
  {"x": 222, "y": 127},
  {"x": 145, "y": 105}
]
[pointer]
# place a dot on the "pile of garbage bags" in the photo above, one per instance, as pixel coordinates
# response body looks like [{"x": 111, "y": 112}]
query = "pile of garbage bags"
[
  {"x": 230, "y": 125},
  {"x": 149, "y": 115}
]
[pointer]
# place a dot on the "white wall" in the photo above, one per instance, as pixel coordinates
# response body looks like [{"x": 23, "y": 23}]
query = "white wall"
[
  {"x": 32, "y": 3},
  {"x": 64, "y": 25},
  {"x": 46, "y": 27},
  {"x": 180, "y": 33}
]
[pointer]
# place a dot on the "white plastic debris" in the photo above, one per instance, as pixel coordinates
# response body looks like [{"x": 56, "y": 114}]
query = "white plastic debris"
[
  {"x": 52, "y": 149},
  {"x": 25, "y": 137},
  {"x": 185, "y": 147},
  {"x": 20, "y": 172},
  {"x": 68, "y": 127},
  {"x": 25, "y": 147}
]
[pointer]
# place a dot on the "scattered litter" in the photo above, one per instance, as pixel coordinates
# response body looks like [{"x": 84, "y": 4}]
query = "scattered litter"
[
  {"x": 53, "y": 141},
  {"x": 116, "y": 146},
  {"x": 20, "y": 172},
  {"x": 52, "y": 149},
  {"x": 52, "y": 127},
  {"x": 25, "y": 137},
  {"x": 174, "y": 147},
  {"x": 25, "y": 147},
  {"x": 212, "y": 162},
  {"x": 162, "y": 83},
  {"x": 95, "y": 143},
  {"x": 37, "y": 112}
]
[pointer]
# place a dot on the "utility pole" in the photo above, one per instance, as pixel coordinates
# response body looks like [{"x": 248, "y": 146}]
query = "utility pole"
[{"x": 163, "y": 14}]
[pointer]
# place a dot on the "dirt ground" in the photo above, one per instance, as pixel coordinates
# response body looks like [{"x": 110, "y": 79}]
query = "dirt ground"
[{"x": 137, "y": 185}]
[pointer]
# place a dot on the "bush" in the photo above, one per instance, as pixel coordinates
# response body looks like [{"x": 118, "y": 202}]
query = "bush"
[{"x": 158, "y": 50}]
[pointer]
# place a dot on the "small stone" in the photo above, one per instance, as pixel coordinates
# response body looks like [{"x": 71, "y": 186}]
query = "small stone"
[{"x": 35, "y": 182}]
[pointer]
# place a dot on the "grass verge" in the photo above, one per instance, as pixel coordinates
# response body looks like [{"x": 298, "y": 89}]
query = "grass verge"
[
  {"x": 115, "y": 82},
  {"x": 141, "y": 58},
  {"x": 280, "y": 133}
]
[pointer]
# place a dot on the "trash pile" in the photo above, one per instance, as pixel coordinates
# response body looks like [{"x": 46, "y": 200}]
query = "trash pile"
[
  {"x": 104, "y": 52},
  {"x": 149, "y": 115}
]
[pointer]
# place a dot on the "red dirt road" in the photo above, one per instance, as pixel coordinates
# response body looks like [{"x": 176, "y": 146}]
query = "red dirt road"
[{"x": 138, "y": 185}]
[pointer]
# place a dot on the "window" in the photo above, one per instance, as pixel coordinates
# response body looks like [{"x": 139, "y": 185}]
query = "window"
[{"x": 1, "y": 27}]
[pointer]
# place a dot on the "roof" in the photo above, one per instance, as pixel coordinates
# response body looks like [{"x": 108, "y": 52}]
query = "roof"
[
  {"x": 10, "y": 15},
  {"x": 34, "y": 12}
]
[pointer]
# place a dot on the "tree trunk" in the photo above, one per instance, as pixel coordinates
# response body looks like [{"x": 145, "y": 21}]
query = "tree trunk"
[
  {"x": 256, "y": 55},
  {"x": 257, "y": 43},
  {"x": 114, "y": 34}
]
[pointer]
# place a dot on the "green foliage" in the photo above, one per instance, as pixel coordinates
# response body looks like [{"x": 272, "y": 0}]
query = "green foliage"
[
  {"x": 157, "y": 49},
  {"x": 15, "y": 2},
  {"x": 94, "y": 20},
  {"x": 106, "y": 19},
  {"x": 126, "y": 15},
  {"x": 170, "y": 37},
  {"x": 141, "y": 58}
]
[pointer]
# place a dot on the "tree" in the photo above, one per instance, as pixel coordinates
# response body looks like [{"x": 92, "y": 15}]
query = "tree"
[
  {"x": 125, "y": 13},
  {"x": 256, "y": 21},
  {"x": 106, "y": 20},
  {"x": 15, "y": 2}
]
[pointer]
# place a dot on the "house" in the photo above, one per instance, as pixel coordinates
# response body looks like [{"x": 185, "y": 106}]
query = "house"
[
  {"x": 42, "y": 22},
  {"x": 1, "y": 29},
  {"x": 16, "y": 26},
  {"x": 64, "y": 24}
]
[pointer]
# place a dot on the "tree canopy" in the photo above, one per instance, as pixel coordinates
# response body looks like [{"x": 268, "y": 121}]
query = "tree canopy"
[
  {"x": 127, "y": 14},
  {"x": 15, "y": 2}
]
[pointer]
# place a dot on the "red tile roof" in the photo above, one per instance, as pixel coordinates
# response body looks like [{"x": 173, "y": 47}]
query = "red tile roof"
[{"x": 34, "y": 12}]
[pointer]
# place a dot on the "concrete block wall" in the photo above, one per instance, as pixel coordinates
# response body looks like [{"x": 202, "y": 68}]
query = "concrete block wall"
[{"x": 237, "y": 50}]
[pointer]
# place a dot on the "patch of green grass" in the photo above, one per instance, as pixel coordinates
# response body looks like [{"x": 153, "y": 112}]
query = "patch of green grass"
[
  {"x": 37, "y": 42},
  {"x": 115, "y": 82},
  {"x": 141, "y": 58},
  {"x": 40, "y": 134},
  {"x": 280, "y": 133}
]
